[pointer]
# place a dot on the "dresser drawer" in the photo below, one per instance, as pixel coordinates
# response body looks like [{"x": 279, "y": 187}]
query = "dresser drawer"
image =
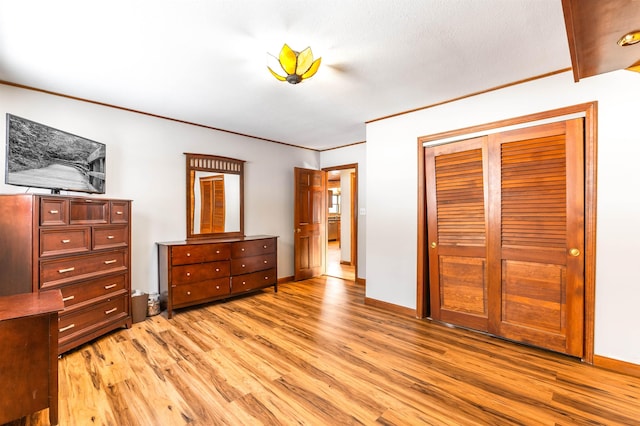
[
  {"x": 253, "y": 281},
  {"x": 253, "y": 248},
  {"x": 186, "y": 274},
  {"x": 96, "y": 316},
  {"x": 198, "y": 253},
  {"x": 119, "y": 211},
  {"x": 76, "y": 294},
  {"x": 54, "y": 211},
  {"x": 246, "y": 265},
  {"x": 204, "y": 290},
  {"x": 59, "y": 241},
  {"x": 61, "y": 271},
  {"x": 88, "y": 211},
  {"x": 105, "y": 237}
]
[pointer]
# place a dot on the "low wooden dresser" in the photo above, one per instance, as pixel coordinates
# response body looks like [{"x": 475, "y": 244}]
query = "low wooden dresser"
[
  {"x": 29, "y": 356},
  {"x": 200, "y": 271},
  {"x": 79, "y": 245}
]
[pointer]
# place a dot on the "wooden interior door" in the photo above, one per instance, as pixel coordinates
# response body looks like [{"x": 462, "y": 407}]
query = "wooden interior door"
[
  {"x": 309, "y": 223},
  {"x": 353, "y": 219},
  {"x": 505, "y": 229}
]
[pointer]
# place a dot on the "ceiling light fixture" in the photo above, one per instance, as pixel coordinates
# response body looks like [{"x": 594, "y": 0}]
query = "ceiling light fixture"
[
  {"x": 630, "y": 38},
  {"x": 297, "y": 66}
]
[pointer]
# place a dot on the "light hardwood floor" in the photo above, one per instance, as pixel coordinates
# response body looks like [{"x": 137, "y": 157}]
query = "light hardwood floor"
[
  {"x": 334, "y": 267},
  {"x": 314, "y": 354}
]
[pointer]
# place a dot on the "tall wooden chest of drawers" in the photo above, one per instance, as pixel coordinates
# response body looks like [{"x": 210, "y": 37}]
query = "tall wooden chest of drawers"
[
  {"x": 194, "y": 272},
  {"x": 80, "y": 245}
]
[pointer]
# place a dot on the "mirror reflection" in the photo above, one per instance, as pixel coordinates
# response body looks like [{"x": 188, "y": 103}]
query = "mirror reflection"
[
  {"x": 216, "y": 205},
  {"x": 214, "y": 196}
]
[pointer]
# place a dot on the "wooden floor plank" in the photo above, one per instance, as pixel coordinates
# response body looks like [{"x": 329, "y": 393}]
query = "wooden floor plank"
[{"x": 314, "y": 354}]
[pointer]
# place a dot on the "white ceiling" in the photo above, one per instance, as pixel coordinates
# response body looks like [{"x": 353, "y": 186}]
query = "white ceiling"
[{"x": 204, "y": 61}]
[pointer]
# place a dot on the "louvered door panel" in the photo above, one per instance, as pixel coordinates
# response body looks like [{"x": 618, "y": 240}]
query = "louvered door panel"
[
  {"x": 460, "y": 195},
  {"x": 534, "y": 213},
  {"x": 457, "y": 233}
]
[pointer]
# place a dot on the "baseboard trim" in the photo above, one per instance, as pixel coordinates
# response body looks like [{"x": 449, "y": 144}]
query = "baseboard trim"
[
  {"x": 361, "y": 281},
  {"x": 402, "y": 310},
  {"x": 283, "y": 280},
  {"x": 618, "y": 366}
]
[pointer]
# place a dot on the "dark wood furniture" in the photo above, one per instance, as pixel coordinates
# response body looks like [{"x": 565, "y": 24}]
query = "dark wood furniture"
[
  {"x": 78, "y": 245},
  {"x": 29, "y": 355},
  {"x": 200, "y": 271}
]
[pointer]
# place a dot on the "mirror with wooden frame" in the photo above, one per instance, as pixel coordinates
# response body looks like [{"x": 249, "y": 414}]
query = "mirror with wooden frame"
[{"x": 215, "y": 196}]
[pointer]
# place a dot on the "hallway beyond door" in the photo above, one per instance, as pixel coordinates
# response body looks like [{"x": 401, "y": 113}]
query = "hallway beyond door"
[{"x": 334, "y": 267}]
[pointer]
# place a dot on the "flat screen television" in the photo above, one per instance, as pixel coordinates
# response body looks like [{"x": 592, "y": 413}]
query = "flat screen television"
[{"x": 40, "y": 156}]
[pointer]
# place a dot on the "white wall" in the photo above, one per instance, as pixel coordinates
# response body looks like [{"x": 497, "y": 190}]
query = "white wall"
[
  {"x": 354, "y": 154},
  {"x": 392, "y": 195},
  {"x": 345, "y": 215},
  {"x": 145, "y": 163}
]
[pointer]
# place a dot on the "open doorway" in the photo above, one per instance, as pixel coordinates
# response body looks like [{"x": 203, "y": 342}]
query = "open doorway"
[{"x": 342, "y": 226}]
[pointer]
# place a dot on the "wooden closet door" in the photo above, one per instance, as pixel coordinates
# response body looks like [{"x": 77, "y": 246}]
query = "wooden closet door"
[
  {"x": 505, "y": 234},
  {"x": 456, "y": 177},
  {"x": 212, "y": 207},
  {"x": 537, "y": 211}
]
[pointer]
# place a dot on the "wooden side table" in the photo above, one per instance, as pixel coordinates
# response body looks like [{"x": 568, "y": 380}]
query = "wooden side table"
[{"x": 29, "y": 354}]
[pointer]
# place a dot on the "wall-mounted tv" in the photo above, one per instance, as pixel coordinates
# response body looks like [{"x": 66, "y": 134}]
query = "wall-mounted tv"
[{"x": 40, "y": 156}]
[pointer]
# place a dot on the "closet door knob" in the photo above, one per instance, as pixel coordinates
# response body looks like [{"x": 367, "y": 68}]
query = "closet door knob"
[
  {"x": 574, "y": 252},
  {"x": 433, "y": 244}
]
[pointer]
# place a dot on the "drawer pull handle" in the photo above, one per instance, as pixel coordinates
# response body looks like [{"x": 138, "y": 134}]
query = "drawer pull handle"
[
  {"x": 188, "y": 254},
  {"x": 188, "y": 293},
  {"x": 244, "y": 282},
  {"x": 242, "y": 249},
  {"x": 266, "y": 278},
  {"x": 243, "y": 266},
  {"x": 69, "y": 327},
  {"x": 264, "y": 246},
  {"x": 109, "y": 262},
  {"x": 53, "y": 211},
  {"x": 119, "y": 212},
  {"x": 62, "y": 271},
  {"x": 217, "y": 287},
  {"x": 110, "y": 237},
  {"x": 266, "y": 261},
  {"x": 110, "y": 311},
  {"x": 66, "y": 299},
  {"x": 217, "y": 251},
  {"x": 110, "y": 286},
  {"x": 65, "y": 241},
  {"x": 217, "y": 269},
  {"x": 188, "y": 274}
]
